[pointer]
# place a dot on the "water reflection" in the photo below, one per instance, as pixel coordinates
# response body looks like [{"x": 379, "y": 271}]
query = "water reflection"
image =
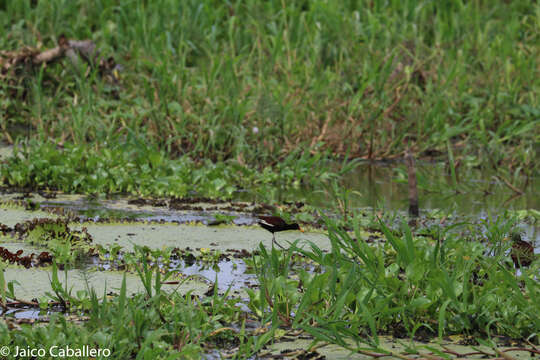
[{"x": 384, "y": 186}]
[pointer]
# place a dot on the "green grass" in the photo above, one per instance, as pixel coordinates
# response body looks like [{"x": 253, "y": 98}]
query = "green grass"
[
  {"x": 439, "y": 284},
  {"x": 200, "y": 76}
]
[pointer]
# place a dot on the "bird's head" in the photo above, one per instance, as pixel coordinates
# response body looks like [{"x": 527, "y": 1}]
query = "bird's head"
[{"x": 515, "y": 237}]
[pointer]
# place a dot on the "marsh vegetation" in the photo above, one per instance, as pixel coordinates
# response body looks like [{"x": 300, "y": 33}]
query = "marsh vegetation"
[{"x": 149, "y": 161}]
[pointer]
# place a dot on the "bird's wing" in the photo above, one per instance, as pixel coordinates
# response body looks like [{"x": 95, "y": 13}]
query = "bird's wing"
[{"x": 271, "y": 220}]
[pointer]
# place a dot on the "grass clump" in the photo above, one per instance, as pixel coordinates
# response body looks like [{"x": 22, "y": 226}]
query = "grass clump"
[
  {"x": 407, "y": 286},
  {"x": 153, "y": 324}
]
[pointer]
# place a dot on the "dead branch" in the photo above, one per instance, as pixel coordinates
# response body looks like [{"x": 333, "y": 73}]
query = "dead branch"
[{"x": 74, "y": 50}]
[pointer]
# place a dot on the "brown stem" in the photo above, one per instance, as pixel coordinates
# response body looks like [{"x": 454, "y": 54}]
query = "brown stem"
[{"x": 413, "y": 189}]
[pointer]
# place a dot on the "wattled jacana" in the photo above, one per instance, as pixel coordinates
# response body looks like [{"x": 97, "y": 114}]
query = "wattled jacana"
[
  {"x": 276, "y": 224},
  {"x": 522, "y": 252}
]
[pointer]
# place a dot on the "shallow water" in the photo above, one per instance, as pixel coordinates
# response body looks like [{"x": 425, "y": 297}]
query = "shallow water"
[{"x": 384, "y": 186}]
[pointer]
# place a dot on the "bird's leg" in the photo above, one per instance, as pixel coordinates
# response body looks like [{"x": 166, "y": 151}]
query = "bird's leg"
[{"x": 275, "y": 242}]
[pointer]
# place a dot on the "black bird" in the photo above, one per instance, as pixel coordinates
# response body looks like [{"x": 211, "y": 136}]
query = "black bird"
[
  {"x": 276, "y": 224},
  {"x": 522, "y": 252}
]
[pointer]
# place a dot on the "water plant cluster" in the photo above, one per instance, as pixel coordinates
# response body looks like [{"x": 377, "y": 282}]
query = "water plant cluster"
[{"x": 137, "y": 168}]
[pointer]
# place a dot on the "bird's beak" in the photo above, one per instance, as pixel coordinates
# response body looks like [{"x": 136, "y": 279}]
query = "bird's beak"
[{"x": 301, "y": 230}]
